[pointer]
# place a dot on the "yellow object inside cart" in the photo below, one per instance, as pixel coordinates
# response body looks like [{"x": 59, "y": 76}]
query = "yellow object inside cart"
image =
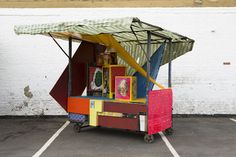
[{"x": 111, "y": 114}]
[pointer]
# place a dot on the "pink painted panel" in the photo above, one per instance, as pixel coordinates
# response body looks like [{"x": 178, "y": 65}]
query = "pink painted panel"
[
  {"x": 159, "y": 110},
  {"x": 122, "y": 90}
]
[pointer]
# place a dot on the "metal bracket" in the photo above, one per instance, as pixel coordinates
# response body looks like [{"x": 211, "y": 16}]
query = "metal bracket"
[
  {"x": 59, "y": 45},
  {"x": 138, "y": 41},
  {"x": 170, "y": 64}
]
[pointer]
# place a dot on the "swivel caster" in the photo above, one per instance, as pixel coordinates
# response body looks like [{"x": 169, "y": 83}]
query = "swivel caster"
[
  {"x": 169, "y": 131},
  {"x": 148, "y": 138},
  {"x": 77, "y": 127}
]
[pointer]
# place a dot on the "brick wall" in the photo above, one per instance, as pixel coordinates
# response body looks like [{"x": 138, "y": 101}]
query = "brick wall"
[{"x": 202, "y": 83}]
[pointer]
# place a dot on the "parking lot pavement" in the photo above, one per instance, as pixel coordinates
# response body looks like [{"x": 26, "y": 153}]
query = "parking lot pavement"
[
  {"x": 105, "y": 142},
  {"x": 193, "y": 137},
  {"x": 204, "y": 137},
  {"x": 22, "y": 137}
]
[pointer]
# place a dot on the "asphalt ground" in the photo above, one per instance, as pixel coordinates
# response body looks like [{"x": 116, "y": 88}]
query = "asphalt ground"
[{"x": 193, "y": 137}]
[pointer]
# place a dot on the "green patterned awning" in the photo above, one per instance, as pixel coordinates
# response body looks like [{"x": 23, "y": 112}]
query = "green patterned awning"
[{"x": 130, "y": 32}]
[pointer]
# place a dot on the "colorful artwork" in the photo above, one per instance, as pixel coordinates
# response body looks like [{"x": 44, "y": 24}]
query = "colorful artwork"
[
  {"x": 105, "y": 81},
  {"x": 106, "y": 59},
  {"x": 109, "y": 74},
  {"x": 94, "y": 81},
  {"x": 125, "y": 88}
]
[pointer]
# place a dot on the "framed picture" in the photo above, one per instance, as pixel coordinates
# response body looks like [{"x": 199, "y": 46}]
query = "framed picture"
[{"x": 125, "y": 88}]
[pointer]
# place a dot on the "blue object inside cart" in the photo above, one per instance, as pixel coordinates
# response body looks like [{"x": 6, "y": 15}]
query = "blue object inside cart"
[
  {"x": 77, "y": 117},
  {"x": 155, "y": 63}
]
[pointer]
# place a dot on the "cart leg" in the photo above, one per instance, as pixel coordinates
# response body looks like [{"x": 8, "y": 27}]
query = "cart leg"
[
  {"x": 169, "y": 131},
  {"x": 148, "y": 138},
  {"x": 77, "y": 127}
]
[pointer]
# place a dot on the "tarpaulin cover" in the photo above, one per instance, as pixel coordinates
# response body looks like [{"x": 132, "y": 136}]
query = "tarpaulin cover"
[{"x": 130, "y": 32}]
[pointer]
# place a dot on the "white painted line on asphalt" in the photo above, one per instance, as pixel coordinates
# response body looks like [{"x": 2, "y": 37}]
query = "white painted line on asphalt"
[
  {"x": 234, "y": 120},
  {"x": 49, "y": 142},
  {"x": 170, "y": 147}
]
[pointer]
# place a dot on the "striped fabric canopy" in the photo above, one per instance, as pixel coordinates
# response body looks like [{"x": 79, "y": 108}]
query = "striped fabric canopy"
[{"x": 130, "y": 32}]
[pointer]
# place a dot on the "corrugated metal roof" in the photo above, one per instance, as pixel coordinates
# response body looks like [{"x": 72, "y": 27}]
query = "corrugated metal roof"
[{"x": 130, "y": 32}]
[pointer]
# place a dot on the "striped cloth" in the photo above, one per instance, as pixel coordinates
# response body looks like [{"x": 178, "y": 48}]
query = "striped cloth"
[{"x": 130, "y": 32}]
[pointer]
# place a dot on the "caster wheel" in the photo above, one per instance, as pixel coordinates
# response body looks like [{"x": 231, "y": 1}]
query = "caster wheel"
[
  {"x": 77, "y": 127},
  {"x": 148, "y": 138},
  {"x": 169, "y": 131}
]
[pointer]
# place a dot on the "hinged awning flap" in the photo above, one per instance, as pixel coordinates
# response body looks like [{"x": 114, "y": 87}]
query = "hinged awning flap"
[{"x": 125, "y": 30}]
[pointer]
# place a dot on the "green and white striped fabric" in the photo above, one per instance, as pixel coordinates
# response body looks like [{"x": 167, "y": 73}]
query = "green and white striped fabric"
[{"x": 130, "y": 32}]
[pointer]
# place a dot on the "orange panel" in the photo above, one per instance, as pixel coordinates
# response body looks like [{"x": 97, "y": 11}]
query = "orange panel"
[{"x": 78, "y": 105}]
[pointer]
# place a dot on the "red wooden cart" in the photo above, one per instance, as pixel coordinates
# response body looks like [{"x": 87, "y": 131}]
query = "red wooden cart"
[{"x": 117, "y": 63}]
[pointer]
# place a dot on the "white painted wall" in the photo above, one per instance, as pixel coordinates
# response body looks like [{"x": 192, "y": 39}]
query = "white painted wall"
[{"x": 201, "y": 83}]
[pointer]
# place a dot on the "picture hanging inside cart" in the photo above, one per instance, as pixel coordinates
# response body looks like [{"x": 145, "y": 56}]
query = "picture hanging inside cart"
[
  {"x": 95, "y": 81},
  {"x": 105, "y": 81},
  {"x": 109, "y": 73},
  {"x": 107, "y": 58},
  {"x": 125, "y": 88}
]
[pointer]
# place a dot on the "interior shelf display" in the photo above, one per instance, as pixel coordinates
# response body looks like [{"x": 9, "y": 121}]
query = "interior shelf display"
[
  {"x": 109, "y": 57},
  {"x": 108, "y": 81}
]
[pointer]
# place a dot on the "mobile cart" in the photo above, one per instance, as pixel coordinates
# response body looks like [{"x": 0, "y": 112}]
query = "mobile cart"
[{"x": 117, "y": 63}]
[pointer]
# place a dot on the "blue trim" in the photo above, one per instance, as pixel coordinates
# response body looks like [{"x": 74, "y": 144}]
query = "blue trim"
[
  {"x": 155, "y": 64},
  {"x": 77, "y": 117}
]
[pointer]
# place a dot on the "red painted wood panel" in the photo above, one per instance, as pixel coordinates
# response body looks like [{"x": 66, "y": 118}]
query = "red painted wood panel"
[
  {"x": 129, "y": 108},
  {"x": 119, "y": 122},
  {"x": 78, "y": 105},
  {"x": 159, "y": 110},
  {"x": 85, "y": 54},
  {"x": 116, "y": 71}
]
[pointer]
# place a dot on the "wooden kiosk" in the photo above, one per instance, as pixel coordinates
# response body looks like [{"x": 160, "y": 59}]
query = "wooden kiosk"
[{"x": 116, "y": 67}]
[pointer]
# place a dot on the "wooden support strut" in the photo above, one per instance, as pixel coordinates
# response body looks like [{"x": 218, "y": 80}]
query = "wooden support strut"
[
  {"x": 170, "y": 63},
  {"x": 70, "y": 68},
  {"x": 58, "y": 45},
  {"x": 148, "y": 73},
  {"x": 148, "y": 60}
]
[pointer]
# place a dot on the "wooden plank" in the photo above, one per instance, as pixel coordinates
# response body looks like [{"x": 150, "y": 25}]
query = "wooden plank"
[
  {"x": 119, "y": 122},
  {"x": 123, "y": 107},
  {"x": 78, "y": 105}
]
